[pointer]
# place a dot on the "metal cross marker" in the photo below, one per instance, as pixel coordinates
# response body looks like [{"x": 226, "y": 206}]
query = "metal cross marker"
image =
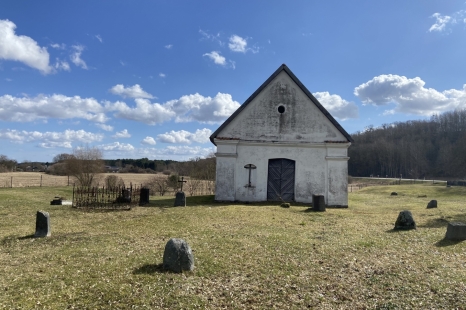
[
  {"x": 182, "y": 181},
  {"x": 250, "y": 167}
]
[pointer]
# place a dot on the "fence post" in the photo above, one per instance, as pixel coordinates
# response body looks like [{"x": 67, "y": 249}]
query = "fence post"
[
  {"x": 11, "y": 182},
  {"x": 40, "y": 181},
  {"x": 68, "y": 181}
]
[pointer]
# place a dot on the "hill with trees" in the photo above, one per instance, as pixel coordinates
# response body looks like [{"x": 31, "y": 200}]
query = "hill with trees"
[{"x": 412, "y": 149}]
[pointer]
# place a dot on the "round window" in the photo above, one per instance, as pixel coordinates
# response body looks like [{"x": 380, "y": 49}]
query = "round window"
[{"x": 281, "y": 109}]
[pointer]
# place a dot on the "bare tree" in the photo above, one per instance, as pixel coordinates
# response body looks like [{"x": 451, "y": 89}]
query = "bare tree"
[{"x": 85, "y": 165}]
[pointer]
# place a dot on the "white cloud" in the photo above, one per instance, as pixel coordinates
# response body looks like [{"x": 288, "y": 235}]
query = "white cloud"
[
  {"x": 337, "y": 106},
  {"x": 25, "y": 109},
  {"x": 99, "y": 38},
  {"x": 22, "y": 48},
  {"x": 105, "y": 127},
  {"x": 134, "y": 91},
  {"x": 50, "y": 139},
  {"x": 183, "y": 136},
  {"x": 58, "y": 46},
  {"x": 409, "y": 95},
  {"x": 203, "y": 109},
  {"x": 238, "y": 44},
  {"x": 116, "y": 146},
  {"x": 207, "y": 36},
  {"x": 162, "y": 75},
  {"x": 144, "y": 111},
  {"x": 76, "y": 57},
  {"x": 122, "y": 134},
  {"x": 216, "y": 57},
  {"x": 442, "y": 22},
  {"x": 148, "y": 141},
  {"x": 62, "y": 65},
  {"x": 169, "y": 46}
]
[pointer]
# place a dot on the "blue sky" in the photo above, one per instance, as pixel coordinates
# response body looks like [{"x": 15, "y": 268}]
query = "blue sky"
[{"x": 155, "y": 78}]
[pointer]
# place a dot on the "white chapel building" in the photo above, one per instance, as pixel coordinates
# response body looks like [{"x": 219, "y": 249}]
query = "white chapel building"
[{"x": 282, "y": 144}]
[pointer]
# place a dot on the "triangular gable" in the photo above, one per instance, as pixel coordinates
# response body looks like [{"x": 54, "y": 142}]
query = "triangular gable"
[{"x": 303, "y": 89}]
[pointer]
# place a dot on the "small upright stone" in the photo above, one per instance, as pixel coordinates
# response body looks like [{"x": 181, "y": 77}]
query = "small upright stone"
[
  {"x": 144, "y": 196},
  {"x": 394, "y": 194},
  {"x": 318, "y": 203},
  {"x": 180, "y": 199},
  {"x": 432, "y": 204},
  {"x": 405, "y": 221},
  {"x": 456, "y": 231},
  {"x": 42, "y": 224},
  {"x": 178, "y": 256}
]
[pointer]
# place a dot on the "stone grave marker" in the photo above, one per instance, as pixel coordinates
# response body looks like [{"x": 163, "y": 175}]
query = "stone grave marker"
[
  {"x": 432, "y": 204},
  {"x": 456, "y": 231},
  {"x": 144, "y": 196},
  {"x": 42, "y": 224},
  {"x": 318, "y": 203},
  {"x": 405, "y": 221},
  {"x": 180, "y": 197},
  {"x": 60, "y": 201},
  {"x": 178, "y": 256}
]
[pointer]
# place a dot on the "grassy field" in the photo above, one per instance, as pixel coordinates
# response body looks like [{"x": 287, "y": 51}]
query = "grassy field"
[{"x": 247, "y": 256}]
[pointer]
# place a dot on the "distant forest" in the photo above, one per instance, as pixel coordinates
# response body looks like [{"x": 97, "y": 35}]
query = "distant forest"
[{"x": 413, "y": 149}]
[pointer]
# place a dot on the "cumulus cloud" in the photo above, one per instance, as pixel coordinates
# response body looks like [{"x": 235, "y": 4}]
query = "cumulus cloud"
[
  {"x": 169, "y": 46},
  {"x": 217, "y": 58},
  {"x": 442, "y": 22},
  {"x": 58, "y": 46},
  {"x": 162, "y": 75},
  {"x": 50, "y": 139},
  {"x": 25, "y": 109},
  {"x": 238, "y": 44},
  {"x": 148, "y": 141},
  {"x": 183, "y": 136},
  {"x": 203, "y": 109},
  {"x": 116, "y": 146},
  {"x": 62, "y": 65},
  {"x": 337, "y": 106},
  {"x": 144, "y": 111},
  {"x": 122, "y": 134},
  {"x": 22, "y": 48},
  {"x": 76, "y": 56},
  {"x": 105, "y": 127},
  {"x": 134, "y": 91},
  {"x": 409, "y": 95},
  {"x": 185, "y": 109}
]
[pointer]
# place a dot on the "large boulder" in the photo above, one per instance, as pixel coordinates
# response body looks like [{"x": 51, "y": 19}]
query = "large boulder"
[
  {"x": 178, "y": 256},
  {"x": 405, "y": 221}
]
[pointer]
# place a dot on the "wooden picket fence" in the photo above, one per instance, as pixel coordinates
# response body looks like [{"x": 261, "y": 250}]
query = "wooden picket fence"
[{"x": 118, "y": 197}]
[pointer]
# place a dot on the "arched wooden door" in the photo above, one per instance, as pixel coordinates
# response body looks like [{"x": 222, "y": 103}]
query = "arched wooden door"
[{"x": 280, "y": 179}]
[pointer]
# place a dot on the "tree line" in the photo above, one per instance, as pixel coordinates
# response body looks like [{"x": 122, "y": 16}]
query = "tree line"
[{"x": 412, "y": 149}]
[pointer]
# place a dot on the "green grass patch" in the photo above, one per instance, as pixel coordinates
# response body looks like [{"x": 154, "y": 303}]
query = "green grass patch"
[{"x": 247, "y": 256}]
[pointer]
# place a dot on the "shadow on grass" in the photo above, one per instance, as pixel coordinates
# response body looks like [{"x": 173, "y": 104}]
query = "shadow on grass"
[
  {"x": 150, "y": 269},
  {"x": 27, "y": 237},
  {"x": 445, "y": 242},
  {"x": 435, "y": 223}
]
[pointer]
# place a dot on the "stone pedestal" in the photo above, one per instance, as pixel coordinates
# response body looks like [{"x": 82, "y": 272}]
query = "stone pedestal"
[
  {"x": 456, "y": 231},
  {"x": 180, "y": 199},
  {"x": 318, "y": 203},
  {"x": 42, "y": 224}
]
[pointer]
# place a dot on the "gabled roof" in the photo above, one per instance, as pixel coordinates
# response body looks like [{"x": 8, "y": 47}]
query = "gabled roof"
[{"x": 283, "y": 67}]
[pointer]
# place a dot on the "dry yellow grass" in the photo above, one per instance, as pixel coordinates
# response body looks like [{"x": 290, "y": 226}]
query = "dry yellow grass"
[{"x": 31, "y": 179}]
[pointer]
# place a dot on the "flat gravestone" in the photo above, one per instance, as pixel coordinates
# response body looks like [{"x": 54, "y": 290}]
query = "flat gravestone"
[
  {"x": 394, "y": 194},
  {"x": 432, "y": 204},
  {"x": 405, "y": 221},
  {"x": 180, "y": 199},
  {"x": 42, "y": 224},
  {"x": 178, "y": 256},
  {"x": 456, "y": 231}
]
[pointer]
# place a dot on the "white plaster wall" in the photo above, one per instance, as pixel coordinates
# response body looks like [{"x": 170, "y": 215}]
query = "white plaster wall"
[
  {"x": 302, "y": 121},
  {"x": 315, "y": 171}
]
